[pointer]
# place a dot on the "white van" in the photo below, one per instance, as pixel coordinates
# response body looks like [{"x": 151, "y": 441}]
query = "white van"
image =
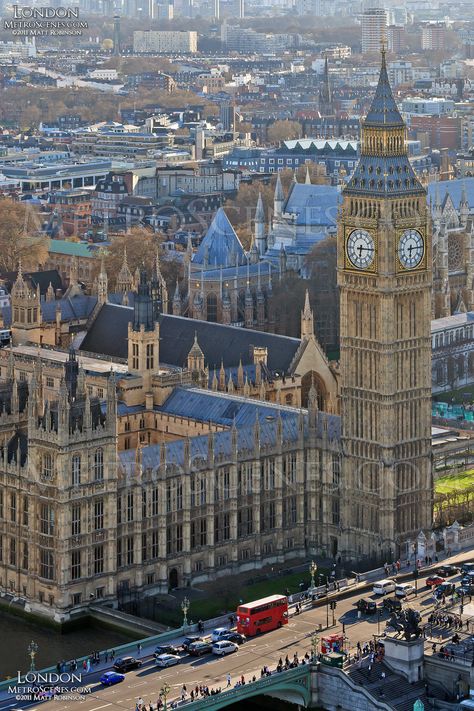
[
  {"x": 382, "y": 587},
  {"x": 467, "y": 704},
  {"x": 404, "y": 589}
]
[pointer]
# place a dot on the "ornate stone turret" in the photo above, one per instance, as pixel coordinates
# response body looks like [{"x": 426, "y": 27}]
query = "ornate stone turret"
[
  {"x": 143, "y": 334},
  {"x": 125, "y": 276},
  {"x": 159, "y": 290},
  {"x": 260, "y": 240},
  {"x": 26, "y": 311},
  {"x": 278, "y": 198},
  {"x": 307, "y": 319},
  {"x": 463, "y": 207},
  {"x": 102, "y": 284},
  {"x": 196, "y": 357},
  {"x": 177, "y": 301}
]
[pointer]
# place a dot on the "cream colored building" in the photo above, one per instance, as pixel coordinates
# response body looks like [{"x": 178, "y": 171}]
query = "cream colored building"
[{"x": 164, "y": 42}]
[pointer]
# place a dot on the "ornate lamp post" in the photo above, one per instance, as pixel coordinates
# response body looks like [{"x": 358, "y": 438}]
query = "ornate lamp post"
[
  {"x": 313, "y": 569},
  {"x": 32, "y": 649},
  {"x": 314, "y": 647},
  {"x": 164, "y": 692},
  {"x": 185, "y": 608}
]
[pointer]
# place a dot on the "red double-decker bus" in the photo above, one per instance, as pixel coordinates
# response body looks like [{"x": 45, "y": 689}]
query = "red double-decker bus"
[{"x": 263, "y": 615}]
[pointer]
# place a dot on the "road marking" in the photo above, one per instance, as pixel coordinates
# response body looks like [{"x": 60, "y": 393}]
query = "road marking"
[{"x": 96, "y": 708}]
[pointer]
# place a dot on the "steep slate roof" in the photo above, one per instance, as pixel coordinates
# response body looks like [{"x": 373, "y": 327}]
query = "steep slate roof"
[
  {"x": 313, "y": 205},
  {"x": 220, "y": 243},
  {"x": 222, "y": 409},
  {"x": 108, "y": 336},
  {"x": 454, "y": 189},
  {"x": 75, "y": 308},
  {"x": 43, "y": 279},
  {"x": 198, "y": 446}
]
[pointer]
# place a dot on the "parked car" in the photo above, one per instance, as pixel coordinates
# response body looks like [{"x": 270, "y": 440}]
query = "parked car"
[
  {"x": 392, "y": 604},
  {"x": 218, "y": 633},
  {"x": 404, "y": 589},
  {"x": 235, "y": 637},
  {"x": 444, "y": 589},
  {"x": 196, "y": 649},
  {"x": 167, "y": 660},
  {"x": 369, "y": 607},
  {"x": 165, "y": 649},
  {"x": 111, "y": 677},
  {"x": 467, "y": 568},
  {"x": 447, "y": 570},
  {"x": 125, "y": 664},
  {"x": 434, "y": 580},
  {"x": 382, "y": 587},
  {"x": 224, "y": 647},
  {"x": 190, "y": 640}
]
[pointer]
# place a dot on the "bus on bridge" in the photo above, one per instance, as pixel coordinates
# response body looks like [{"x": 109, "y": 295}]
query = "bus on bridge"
[{"x": 263, "y": 615}]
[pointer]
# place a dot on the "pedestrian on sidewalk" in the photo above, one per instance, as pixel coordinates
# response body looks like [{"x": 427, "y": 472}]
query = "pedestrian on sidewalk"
[
  {"x": 139, "y": 649},
  {"x": 229, "y": 680},
  {"x": 369, "y": 669}
]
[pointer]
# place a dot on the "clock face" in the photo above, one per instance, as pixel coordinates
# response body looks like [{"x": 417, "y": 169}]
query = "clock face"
[
  {"x": 411, "y": 249},
  {"x": 360, "y": 249}
]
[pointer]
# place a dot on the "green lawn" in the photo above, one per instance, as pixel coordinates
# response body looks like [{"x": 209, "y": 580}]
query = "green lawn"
[
  {"x": 456, "y": 482},
  {"x": 228, "y": 595}
]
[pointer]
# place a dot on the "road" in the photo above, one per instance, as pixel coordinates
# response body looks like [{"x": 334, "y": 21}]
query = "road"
[{"x": 250, "y": 658}]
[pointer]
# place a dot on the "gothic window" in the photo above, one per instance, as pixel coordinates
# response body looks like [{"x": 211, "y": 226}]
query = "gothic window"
[
  {"x": 135, "y": 356},
  {"x": 47, "y": 564},
  {"x": 24, "y": 563},
  {"x": 212, "y": 307},
  {"x": 203, "y": 491},
  {"x": 336, "y": 470},
  {"x": 76, "y": 520},
  {"x": 144, "y": 507},
  {"x": 179, "y": 538},
  {"x": 76, "y": 470},
  {"x": 13, "y": 551},
  {"x": 130, "y": 553},
  {"x": 25, "y": 511},
  {"x": 130, "y": 506},
  {"x": 98, "y": 515},
  {"x": 46, "y": 519},
  {"x": 75, "y": 565},
  {"x": 98, "y": 465},
  {"x": 150, "y": 360},
  {"x": 47, "y": 466},
  {"x": 119, "y": 509},
  {"x": 98, "y": 560},
  {"x": 154, "y": 544},
  {"x": 179, "y": 496},
  {"x": 1, "y": 505},
  {"x": 144, "y": 547},
  {"x": 455, "y": 252}
]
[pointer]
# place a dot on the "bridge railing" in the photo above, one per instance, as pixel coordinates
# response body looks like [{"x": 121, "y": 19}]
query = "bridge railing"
[{"x": 252, "y": 688}]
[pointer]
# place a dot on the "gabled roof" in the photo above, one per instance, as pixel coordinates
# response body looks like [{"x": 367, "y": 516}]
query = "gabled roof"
[
  {"x": 220, "y": 245},
  {"x": 228, "y": 344},
  {"x": 74, "y": 308},
  {"x": 454, "y": 188},
  {"x": 313, "y": 205}
]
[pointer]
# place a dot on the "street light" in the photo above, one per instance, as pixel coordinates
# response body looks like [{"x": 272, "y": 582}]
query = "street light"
[
  {"x": 314, "y": 647},
  {"x": 185, "y": 608},
  {"x": 313, "y": 568},
  {"x": 164, "y": 691},
  {"x": 32, "y": 649}
]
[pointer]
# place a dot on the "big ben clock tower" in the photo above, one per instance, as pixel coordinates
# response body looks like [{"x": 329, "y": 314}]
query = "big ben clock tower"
[{"x": 384, "y": 275}]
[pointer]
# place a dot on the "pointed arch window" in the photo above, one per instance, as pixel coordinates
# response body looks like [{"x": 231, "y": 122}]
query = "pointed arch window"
[{"x": 98, "y": 465}]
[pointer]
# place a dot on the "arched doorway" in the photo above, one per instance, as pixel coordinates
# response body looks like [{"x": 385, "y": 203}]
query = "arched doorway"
[
  {"x": 173, "y": 578},
  {"x": 306, "y": 381}
]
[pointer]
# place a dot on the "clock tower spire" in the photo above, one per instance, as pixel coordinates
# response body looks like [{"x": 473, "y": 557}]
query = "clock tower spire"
[{"x": 384, "y": 275}]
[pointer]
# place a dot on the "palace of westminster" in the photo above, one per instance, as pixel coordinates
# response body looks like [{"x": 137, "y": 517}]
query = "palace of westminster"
[{"x": 162, "y": 451}]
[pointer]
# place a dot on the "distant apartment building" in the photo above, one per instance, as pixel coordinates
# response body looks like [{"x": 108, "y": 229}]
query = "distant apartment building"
[
  {"x": 338, "y": 51},
  {"x": 164, "y": 42},
  {"x": 246, "y": 40},
  {"x": 434, "y": 106},
  {"x": 374, "y": 29},
  {"x": 433, "y": 36},
  {"x": 400, "y": 72},
  {"x": 395, "y": 38},
  {"x": 320, "y": 8}
]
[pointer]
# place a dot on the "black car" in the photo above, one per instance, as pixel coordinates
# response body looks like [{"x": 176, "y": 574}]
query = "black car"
[
  {"x": 444, "y": 589},
  {"x": 392, "y": 604},
  {"x": 189, "y": 640},
  {"x": 447, "y": 570},
  {"x": 165, "y": 649},
  {"x": 367, "y": 606},
  {"x": 196, "y": 649},
  {"x": 234, "y": 637},
  {"x": 467, "y": 568},
  {"x": 125, "y": 664}
]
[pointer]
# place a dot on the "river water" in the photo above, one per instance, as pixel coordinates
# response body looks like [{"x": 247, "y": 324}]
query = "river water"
[{"x": 16, "y": 633}]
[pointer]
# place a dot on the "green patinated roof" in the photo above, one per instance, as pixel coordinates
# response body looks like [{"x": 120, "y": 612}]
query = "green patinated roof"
[{"x": 74, "y": 249}]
